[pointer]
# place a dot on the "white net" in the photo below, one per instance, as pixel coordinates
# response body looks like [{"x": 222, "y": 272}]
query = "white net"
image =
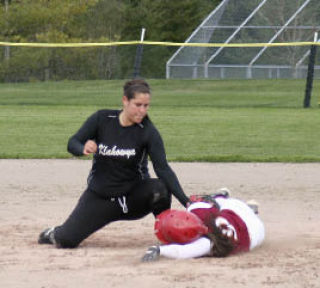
[{"x": 250, "y": 21}]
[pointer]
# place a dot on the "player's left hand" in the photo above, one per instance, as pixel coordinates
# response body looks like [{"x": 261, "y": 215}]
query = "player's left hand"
[{"x": 152, "y": 254}]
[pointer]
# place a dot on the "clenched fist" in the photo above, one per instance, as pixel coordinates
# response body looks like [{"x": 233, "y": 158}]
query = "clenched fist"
[{"x": 90, "y": 147}]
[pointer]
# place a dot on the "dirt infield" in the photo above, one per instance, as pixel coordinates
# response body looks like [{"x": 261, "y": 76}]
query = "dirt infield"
[{"x": 36, "y": 194}]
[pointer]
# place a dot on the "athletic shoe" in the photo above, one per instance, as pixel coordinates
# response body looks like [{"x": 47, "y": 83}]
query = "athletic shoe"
[
  {"x": 152, "y": 254},
  {"x": 222, "y": 192},
  {"x": 254, "y": 205},
  {"x": 47, "y": 236}
]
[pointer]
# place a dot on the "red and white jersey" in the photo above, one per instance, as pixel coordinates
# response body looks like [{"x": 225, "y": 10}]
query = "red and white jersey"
[{"x": 236, "y": 215}]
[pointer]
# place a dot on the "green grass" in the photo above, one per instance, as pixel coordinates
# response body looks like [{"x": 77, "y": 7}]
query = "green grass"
[{"x": 200, "y": 120}]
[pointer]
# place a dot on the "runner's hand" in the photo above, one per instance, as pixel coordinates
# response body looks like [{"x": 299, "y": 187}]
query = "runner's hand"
[{"x": 152, "y": 254}]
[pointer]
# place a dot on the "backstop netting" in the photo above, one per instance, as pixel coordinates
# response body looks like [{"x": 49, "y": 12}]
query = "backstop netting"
[{"x": 250, "y": 21}]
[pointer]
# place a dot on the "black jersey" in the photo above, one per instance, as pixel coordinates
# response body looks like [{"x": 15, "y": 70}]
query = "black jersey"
[{"x": 122, "y": 156}]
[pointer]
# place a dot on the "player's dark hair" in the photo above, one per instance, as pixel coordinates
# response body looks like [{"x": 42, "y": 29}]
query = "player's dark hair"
[
  {"x": 222, "y": 245},
  {"x": 134, "y": 86}
]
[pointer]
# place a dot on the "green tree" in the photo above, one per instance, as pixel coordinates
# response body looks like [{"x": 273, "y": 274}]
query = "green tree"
[
  {"x": 72, "y": 21},
  {"x": 59, "y": 22}
]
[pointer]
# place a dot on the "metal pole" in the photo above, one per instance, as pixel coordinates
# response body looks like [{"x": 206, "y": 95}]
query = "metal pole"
[
  {"x": 139, "y": 52},
  {"x": 312, "y": 58},
  {"x": 6, "y": 48}
]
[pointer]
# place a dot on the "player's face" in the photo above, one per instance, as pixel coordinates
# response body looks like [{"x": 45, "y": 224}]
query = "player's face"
[{"x": 136, "y": 108}]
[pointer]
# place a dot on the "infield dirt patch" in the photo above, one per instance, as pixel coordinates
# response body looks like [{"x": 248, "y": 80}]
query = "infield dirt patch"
[{"x": 36, "y": 194}]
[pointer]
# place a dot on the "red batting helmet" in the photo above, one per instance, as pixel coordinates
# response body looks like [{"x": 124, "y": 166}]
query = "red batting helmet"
[{"x": 174, "y": 226}]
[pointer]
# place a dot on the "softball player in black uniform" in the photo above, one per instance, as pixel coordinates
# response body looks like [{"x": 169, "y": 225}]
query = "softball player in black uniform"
[{"x": 119, "y": 185}]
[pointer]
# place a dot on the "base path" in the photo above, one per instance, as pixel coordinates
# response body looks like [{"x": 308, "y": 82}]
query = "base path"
[{"x": 36, "y": 194}]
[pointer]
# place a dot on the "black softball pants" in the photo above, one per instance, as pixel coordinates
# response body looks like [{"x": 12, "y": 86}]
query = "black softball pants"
[{"x": 94, "y": 212}]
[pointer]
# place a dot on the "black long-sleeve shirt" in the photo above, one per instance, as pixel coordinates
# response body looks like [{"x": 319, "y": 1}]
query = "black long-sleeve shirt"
[{"x": 122, "y": 156}]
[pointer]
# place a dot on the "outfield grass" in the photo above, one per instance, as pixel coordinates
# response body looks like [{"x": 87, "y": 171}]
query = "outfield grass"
[{"x": 258, "y": 120}]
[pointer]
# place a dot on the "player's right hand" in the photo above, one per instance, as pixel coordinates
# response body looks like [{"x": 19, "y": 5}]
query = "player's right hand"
[{"x": 90, "y": 147}]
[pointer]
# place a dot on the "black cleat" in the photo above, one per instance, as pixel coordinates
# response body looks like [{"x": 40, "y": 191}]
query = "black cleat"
[{"x": 47, "y": 236}]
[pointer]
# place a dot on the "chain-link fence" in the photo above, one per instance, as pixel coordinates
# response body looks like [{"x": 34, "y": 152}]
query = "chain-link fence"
[{"x": 250, "y": 21}]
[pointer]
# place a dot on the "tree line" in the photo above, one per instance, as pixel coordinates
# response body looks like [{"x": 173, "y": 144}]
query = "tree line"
[{"x": 74, "y": 21}]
